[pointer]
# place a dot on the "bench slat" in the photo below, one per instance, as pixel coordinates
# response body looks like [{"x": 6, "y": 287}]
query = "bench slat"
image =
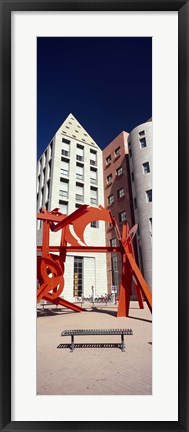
[{"x": 97, "y": 332}]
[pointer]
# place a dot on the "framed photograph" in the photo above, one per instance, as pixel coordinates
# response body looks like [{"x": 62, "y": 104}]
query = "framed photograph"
[{"x": 23, "y": 407}]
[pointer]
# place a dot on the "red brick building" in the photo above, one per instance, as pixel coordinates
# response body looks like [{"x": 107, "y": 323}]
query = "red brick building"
[{"x": 118, "y": 199}]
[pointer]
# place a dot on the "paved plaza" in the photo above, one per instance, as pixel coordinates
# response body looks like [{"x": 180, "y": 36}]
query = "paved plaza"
[{"x": 94, "y": 371}]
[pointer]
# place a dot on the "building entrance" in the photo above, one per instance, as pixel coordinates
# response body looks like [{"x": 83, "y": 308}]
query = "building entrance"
[{"x": 78, "y": 277}]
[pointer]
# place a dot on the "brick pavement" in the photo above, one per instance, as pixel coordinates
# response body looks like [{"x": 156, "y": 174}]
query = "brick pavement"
[{"x": 94, "y": 371}]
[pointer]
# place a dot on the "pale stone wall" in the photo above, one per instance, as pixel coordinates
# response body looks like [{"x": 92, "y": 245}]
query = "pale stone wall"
[{"x": 142, "y": 182}]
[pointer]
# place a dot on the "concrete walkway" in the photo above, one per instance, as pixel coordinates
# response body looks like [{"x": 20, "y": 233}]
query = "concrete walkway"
[{"x": 94, "y": 371}]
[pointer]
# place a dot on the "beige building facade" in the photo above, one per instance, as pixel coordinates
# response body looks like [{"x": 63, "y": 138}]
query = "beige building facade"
[{"x": 70, "y": 173}]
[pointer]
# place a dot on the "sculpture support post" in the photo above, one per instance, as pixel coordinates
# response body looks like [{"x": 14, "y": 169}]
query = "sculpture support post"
[{"x": 125, "y": 289}]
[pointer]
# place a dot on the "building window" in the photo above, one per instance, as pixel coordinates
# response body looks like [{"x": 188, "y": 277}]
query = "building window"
[
  {"x": 79, "y": 192},
  {"x": 115, "y": 279},
  {"x": 38, "y": 183},
  {"x": 39, "y": 166},
  {"x": 93, "y": 157},
  {"x": 149, "y": 195},
  {"x": 132, "y": 176},
  {"x": 110, "y": 199},
  {"x": 119, "y": 171},
  {"x": 109, "y": 179},
  {"x": 78, "y": 277},
  {"x": 79, "y": 171},
  {"x": 141, "y": 259},
  {"x": 95, "y": 224},
  {"x": 63, "y": 206},
  {"x": 113, "y": 242},
  {"x": 142, "y": 142},
  {"x": 48, "y": 191},
  {"x": 63, "y": 192},
  {"x": 120, "y": 193},
  {"x": 45, "y": 158},
  {"x": 93, "y": 195},
  {"x": 42, "y": 197},
  {"x": 49, "y": 169},
  {"x": 64, "y": 167},
  {"x": 108, "y": 159},
  {"x": 66, "y": 141},
  {"x": 65, "y": 147},
  {"x": 43, "y": 177},
  {"x": 80, "y": 153},
  {"x": 135, "y": 203},
  {"x": 122, "y": 216},
  {"x": 142, "y": 133},
  {"x": 50, "y": 149},
  {"x": 117, "y": 151},
  {"x": 146, "y": 167},
  {"x": 93, "y": 175},
  {"x": 150, "y": 223},
  {"x": 78, "y": 206}
]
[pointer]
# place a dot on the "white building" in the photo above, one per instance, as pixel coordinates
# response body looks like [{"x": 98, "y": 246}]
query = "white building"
[
  {"x": 69, "y": 174},
  {"x": 140, "y": 161}
]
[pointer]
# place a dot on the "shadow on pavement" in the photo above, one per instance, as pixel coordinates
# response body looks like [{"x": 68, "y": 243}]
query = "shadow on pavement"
[
  {"x": 51, "y": 312},
  {"x": 140, "y": 319},
  {"x": 112, "y": 313}
]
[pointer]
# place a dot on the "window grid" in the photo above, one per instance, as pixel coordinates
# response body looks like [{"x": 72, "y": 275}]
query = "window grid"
[
  {"x": 95, "y": 224},
  {"x": 78, "y": 277},
  {"x": 108, "y": 159},
  {"x": 122, "y": 216},
  {"x": 119, "y": 171},
  {"x": 63, "y": 206},
  {"x": 149, "y": 195},
  {"x": 93, "y": 175},
  {"x": 113, "y": 242},
  {"x": 93, "y": 157},
  {"x": 142, "y": 142},
  {"x": 120, "y": 193},
  {"x": 109, "y": 179},
  {"x": 117, "y": 151},
  {"x": 146, "y": 167},
  {"x": 110, "y": 199},
  {"x": 150, "y": 223}
]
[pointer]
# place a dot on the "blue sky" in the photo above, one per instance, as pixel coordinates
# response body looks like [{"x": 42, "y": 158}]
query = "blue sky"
[{"x": 106, "y": 83}]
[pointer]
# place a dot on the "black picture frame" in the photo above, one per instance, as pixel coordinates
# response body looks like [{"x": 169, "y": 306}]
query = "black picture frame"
[{"x": 6, "y": 7}]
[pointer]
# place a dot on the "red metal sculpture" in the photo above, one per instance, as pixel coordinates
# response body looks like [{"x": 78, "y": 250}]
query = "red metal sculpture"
[{"x": 50, "y": 266}]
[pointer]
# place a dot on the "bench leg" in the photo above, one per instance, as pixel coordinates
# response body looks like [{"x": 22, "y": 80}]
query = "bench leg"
[
  {"x": 122, "y": 343},
  {"x": 72, "y": 342}
]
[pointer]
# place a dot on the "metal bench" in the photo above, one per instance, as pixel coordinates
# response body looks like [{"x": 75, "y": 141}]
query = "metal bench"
[{"x": 96, "y": 332}]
